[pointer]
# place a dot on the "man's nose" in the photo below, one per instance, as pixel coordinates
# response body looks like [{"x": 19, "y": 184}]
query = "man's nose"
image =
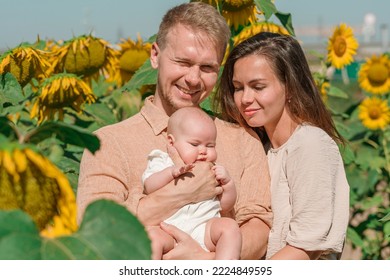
[{"x": 193, "y": 76}]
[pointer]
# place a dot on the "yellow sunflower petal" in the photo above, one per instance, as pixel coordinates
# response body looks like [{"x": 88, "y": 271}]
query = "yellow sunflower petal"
[
  {"x": 374, "y": 75},
  {"x": 342, "y": 46},
  {"x": 374, "y": 113}
]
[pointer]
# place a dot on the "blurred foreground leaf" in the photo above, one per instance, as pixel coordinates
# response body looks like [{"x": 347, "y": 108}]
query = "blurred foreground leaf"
[
  {"x": 19, "y": 237},
  {"x": 67, "y": 133},
  {"x": 145, "y": 75},
  {"x": 108, "y": 232}
]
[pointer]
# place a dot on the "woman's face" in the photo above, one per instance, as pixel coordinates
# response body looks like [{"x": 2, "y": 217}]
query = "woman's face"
[{"x": 258, "y": 93}]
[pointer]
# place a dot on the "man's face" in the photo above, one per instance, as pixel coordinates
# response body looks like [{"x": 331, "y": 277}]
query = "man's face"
[{"x": 187, "y": 69}]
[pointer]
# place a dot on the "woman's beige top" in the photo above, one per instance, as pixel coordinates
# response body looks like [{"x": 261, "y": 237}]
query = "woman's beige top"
[{"x": 309, "y": 193}]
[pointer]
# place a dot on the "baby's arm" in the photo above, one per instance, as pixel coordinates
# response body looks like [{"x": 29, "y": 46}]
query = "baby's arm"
[
  {"x": 161, "y": 178},
  {"x": 229, "y": 194}
]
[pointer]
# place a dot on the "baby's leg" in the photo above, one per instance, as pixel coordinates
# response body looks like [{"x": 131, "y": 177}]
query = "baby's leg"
[
  {"x": 162, "y": 242},
  {"x": 223, "y": 236}
]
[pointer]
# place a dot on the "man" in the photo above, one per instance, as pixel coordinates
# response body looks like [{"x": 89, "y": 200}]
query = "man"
[{"x": 188, "y": 51}]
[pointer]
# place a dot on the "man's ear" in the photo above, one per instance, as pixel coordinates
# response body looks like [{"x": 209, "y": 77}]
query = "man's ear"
[
  {"x": 154, "y": 52},
  {"x": 171, "y": 139}
]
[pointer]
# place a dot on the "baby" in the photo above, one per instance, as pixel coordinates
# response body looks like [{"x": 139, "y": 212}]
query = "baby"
[{"x": 193, "y": 134}]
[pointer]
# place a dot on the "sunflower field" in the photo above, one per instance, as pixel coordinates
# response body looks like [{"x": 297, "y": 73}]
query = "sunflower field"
[{"x": 55, "y": 93}]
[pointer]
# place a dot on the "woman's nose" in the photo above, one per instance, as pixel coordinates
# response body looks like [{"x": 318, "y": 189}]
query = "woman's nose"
[{"x": 247, "y": 96}]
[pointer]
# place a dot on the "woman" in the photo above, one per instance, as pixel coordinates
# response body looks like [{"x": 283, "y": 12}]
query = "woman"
[{"x": 267, "y": 85}]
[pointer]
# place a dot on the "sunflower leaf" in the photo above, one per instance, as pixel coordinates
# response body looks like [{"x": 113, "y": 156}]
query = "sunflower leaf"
[
  {"x": 385, "y": 218},
  {"x": 19, "y": 237},
  {"x": 145, "y": 75},
  {"x": 10, "y": 90},
  {"x": 7, "y": 128},
  {"x": 267, "y": 7},
  {"x": 67, "y": 133},
  {"x": 354, "y": 237},
  {"x": 337, "y": 92},
  {"x": 286, "y": 20},
  {"x": 108, "y": 231}
]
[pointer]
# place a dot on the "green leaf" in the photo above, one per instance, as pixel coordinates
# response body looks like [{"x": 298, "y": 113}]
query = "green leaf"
[
  {"x": 360, "y": 181},
  {"x": 145, "y": 75},
  {"x": 7, "y": 128},
  {"x": 10, "y": 89},
  {"x": 19, "y": 236},
  {"x": 337, "y": 92},
  {"x": 108, "y": 231},
  {"x": 385, "y": 218},
  {"x": 347, "y": 154},
  {"x": 371, "y": 202},
  {"x": 286, "y": 20},
  {"x": 67, "y": 133},
  {"x": 101, "y": 113},
  {"x": 354, "y": 237},
  {"x": 267, "y": 7},
  {"x": 386, "y": 230},
  {"x": 368, "y": 158}
]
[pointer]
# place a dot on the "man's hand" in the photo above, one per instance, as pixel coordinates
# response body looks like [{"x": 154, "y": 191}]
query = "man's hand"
[
  {"x": 186, "y": 248},
  {"x": 201, "y": 183}
]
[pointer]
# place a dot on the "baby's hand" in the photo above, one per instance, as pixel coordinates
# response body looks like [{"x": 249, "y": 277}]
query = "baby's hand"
[
  {"x": 177, "y": 171},
  {"x": 221, "y": 174}
]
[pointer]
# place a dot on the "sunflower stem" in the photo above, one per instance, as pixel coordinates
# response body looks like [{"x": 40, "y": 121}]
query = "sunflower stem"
[
  {"x": 344, "y": 75},
  {"x": 386, "y": 151}
]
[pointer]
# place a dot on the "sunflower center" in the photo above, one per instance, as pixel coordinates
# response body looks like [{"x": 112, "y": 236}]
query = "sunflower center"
[
  {"x": 23, "y": 70},
  {"x": 133, "y": 59},
  {"x": 374, "y": 113},
  {"x": 33, "y": 192},
  {"x": 340, "y": 46},
  {"x": 87, "y": 61},
  {"x": 236, "y": 5},
  {"x": 378, "y": 74}
]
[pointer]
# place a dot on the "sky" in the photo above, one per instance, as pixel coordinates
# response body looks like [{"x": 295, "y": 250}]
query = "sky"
[{"x": 23, "y": 20}]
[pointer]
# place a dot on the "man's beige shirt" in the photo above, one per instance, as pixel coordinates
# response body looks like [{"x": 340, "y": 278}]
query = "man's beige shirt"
[{"x": 115, "y": 171}]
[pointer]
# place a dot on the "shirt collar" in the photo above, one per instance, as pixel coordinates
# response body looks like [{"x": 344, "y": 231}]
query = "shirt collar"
[{"x": 156, "y": 118}]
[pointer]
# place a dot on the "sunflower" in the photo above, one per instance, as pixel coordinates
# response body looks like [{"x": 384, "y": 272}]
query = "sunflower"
[
  {"x": 86, "y": 56},
  {"x": 323, "y": 87},
  {"x": 374, "y": 113},
  {"x": 59, "y": 91},
  {"x": 30, "y": 182},
  {"x": 257, "y": 28},
  {"x": 239, "y": 12},
  {"x": 342, "y": 46},
  {"x": 24, "y": 62},
  {"x": 254, "y": 29},
  {"x": 132, "y": 56},
  {"x": 236, "y": 12},
  {"x": 374, "y": 75}
]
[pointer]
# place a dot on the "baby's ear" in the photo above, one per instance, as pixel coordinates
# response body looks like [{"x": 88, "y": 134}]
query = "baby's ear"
[{"x": 171, "y": 139}]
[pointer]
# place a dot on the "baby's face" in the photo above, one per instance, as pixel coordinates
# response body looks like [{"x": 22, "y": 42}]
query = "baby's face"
[{"x": 196, "y": 143}]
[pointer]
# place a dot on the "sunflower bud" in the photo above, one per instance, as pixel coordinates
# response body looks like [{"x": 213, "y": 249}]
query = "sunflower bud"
[
  {"x": 59, "y": 91},
  {"x": 23, "y": 70},
  {"x": 25, "y": 63},
  {"x": 133, "y": 55},
  {"x": 30, "y": 182},
  {"x": 85, "y": 60}
]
